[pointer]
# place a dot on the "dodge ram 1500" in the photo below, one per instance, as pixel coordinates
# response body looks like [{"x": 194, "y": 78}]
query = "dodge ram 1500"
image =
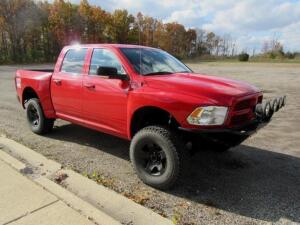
[{"x": 147, "y": 96}]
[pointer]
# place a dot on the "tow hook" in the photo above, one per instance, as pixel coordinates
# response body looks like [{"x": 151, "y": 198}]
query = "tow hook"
[{"x": 265, "y": 110}]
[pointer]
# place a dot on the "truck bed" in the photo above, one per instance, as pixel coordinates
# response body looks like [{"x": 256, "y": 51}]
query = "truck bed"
[
  {"x": 39, "y": 82},
  {"x": 41, "y": 70}
]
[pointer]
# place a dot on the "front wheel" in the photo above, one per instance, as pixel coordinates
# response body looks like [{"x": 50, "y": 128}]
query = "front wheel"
[
  {"x": 37, "y": 121},
  {"x": 154, "y": 153}
]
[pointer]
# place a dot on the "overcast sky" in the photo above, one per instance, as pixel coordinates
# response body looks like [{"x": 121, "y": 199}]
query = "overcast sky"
[{"x": 250, "y": 22}]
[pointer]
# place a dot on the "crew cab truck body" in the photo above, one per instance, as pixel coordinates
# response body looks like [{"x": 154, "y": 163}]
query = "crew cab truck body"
[{"x": 147, "y": 96}]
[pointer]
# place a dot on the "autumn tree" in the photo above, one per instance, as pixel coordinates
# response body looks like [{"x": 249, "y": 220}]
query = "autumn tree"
[
  {"x": 191, "y": 40},
  {"x": 146, "y": 26},
  {"x": 201, "y": 46},
  {"x": 65, "y": 22},
  {"x": 48, "y": 42},
  {"x": 18, "y": 17},
  {"x": 3, "y": 41},
  {"x": 119, "y": 26},
  {"x": 160, "y": 36},
  {"x": 94, "y": 23}
]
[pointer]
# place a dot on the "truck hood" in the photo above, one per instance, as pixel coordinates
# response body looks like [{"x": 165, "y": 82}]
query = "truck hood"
[{"x": 218, "y": 89}]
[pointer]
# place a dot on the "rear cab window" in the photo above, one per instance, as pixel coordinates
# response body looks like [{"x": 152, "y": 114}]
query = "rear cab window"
[{"x": 74, "y": 60}]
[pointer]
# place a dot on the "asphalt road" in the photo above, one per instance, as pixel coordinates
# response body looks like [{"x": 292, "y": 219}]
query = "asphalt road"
[{"x": 255, "y": 183}]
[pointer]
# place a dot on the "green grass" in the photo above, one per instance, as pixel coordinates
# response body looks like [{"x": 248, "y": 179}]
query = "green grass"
[{"x": 297, "y": 60}]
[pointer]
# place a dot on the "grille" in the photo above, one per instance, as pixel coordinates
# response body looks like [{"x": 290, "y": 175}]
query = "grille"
[
  {"x": 240, "y": 113},
  {"x": 245, "y": 104}
]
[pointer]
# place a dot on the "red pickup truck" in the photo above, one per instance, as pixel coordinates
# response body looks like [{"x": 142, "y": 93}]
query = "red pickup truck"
[{"x": 147, "y": 96}]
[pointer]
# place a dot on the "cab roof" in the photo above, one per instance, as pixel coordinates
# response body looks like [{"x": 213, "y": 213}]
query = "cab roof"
[{"x": 106, "y": 45}]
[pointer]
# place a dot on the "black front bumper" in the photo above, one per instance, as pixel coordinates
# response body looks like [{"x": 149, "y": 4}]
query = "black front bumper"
[
  {"x": 229, "y": 137},
  {"x": 246, "y": 129}
]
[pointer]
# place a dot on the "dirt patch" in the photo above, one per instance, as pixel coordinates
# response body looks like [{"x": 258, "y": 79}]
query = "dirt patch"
[{"x": 59, "y": 177}]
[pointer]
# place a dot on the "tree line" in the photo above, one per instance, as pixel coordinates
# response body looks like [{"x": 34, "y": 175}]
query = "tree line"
[{"x": 35, "y": 31}]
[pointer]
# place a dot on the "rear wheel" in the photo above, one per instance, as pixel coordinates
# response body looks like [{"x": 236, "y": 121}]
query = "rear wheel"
[
  {"x": 37, "y": 121},
  {"x": 155, "y": 155}
]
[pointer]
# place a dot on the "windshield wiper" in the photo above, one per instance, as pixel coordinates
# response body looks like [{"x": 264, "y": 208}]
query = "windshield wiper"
[
  {"x": 158, "y": 73},
  {"x": 185, "y": 71}
]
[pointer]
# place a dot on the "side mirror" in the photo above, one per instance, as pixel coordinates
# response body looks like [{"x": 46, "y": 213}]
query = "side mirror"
[{"x": 111, "y": 72}]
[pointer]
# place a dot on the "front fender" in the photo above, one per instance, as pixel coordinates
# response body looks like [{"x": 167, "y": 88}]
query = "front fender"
[{"x": 177, "y": 104}]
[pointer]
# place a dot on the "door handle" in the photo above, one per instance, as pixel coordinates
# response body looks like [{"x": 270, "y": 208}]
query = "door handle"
[
  {"x": 89, "y": 86},
  {"x": 57, "y": 81}
]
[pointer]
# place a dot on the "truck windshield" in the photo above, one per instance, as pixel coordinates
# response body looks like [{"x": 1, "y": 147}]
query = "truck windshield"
[{"x": 148, "y": 61}]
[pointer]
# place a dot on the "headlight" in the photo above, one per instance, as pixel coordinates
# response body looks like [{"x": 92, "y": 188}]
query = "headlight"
[{"x": 209, "y": 115}]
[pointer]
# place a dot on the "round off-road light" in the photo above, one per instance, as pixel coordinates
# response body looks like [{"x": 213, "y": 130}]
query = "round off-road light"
[
  {"x": 275, "y": 105},
  {"x": 259, "y": 110},
  {"x": 267, "y": 111},
  {"x": 283, "y": 101},
  {"x": 280, "y": 101}
]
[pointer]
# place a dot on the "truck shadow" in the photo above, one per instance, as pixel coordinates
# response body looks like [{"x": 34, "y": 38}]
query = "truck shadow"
[
  {"x": 247, "y": 181},
  {"x": 90, "y": 138}
]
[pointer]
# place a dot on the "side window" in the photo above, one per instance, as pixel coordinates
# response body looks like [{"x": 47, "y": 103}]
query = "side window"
[
  {"x": 105, "y": 58},
  {"x": 74, "y": 60}
]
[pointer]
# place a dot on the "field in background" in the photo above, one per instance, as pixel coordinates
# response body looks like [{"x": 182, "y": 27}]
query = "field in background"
[{"x": 235, "y": 60}]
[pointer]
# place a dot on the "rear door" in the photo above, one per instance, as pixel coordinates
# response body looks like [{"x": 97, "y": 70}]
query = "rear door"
[{"x": 66, "y": 84}]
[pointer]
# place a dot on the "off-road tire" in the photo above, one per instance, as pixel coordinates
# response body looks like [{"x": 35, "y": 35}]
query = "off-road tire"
[
  {"x": 169, "y": 143},
  {"x": 41, "y": 125}
]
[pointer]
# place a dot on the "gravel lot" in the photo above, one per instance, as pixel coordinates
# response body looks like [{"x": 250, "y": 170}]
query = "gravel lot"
[{"x": 255, "y": 183}]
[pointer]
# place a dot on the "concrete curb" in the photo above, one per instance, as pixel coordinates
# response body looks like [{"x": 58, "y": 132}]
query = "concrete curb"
[
  {"x": 89, "y": 197},
  {"x": 12, "y": 161},
  {"x": 113, "y": 204}
]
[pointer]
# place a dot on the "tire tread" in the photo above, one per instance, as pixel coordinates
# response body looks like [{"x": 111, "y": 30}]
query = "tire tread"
[
  {"x": 173, "y": 141},
  {"x": 46, "y": 124}
]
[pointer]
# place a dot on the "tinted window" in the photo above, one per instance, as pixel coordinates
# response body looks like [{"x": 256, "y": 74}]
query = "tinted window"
[
  {"x": 74, "y": 60},
  {"x": 148, "y": 61},
  {"x": 104, "y": 58}
]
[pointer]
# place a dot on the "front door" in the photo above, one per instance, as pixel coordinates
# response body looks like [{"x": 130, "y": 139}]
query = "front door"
[{"x": 105, "y": 99}]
